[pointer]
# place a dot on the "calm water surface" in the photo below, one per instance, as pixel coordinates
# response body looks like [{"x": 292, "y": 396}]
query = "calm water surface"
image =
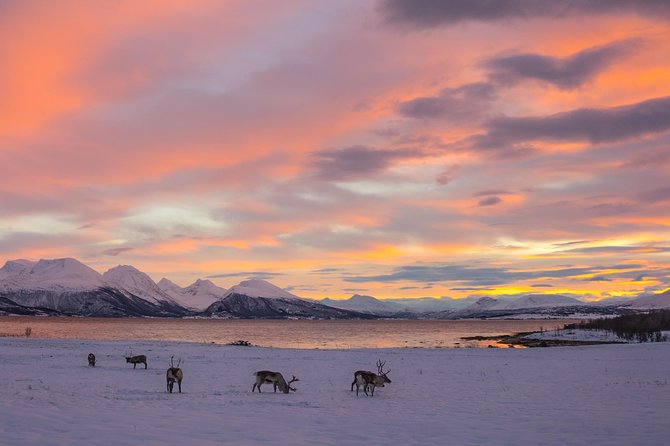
[{"x": 276, "y": 333}]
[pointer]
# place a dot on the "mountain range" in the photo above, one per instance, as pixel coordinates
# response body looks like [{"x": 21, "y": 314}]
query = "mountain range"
[{"x": 67, "y": 286}]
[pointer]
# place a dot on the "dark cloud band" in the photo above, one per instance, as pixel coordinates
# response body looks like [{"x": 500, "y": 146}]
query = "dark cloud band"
[{"x": 433, "y": 13}]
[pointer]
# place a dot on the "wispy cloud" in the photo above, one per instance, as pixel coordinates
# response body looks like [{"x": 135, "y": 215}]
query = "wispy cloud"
[
  {"x": 357, "y": 161},
  {"x": 566, "y": 72}
]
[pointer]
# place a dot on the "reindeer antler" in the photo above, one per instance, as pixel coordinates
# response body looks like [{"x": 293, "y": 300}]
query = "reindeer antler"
[
  {"x": 380, "y": 367},
  {"x": 294, "y": 379},
  {"x": 172, "y": 362}
]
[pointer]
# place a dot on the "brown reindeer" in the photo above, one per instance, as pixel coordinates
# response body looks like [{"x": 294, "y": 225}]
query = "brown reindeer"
[
  {"x": 91, "y": 360},
  {"x": 174, "y": 374},
  {"x": 371, "y": 380},
  {"x": 139, "y": 359},
  {"x": 274, "y": 378}
]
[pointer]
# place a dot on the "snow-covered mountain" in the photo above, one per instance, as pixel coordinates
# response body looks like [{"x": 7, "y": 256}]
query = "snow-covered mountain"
[
  {"x": 198, "y": 296},
  {"x": 530, "y": 303},
  {"x": 256, "y": 298},
  {"x": 485, "y": 303},
  {"x": 365, "y": 304},
  {"x": 68, "y": 286},
  {"x": 432, "y": 304},
  {"x": 53, "y": 275},
  {"x": 652, "y": 302},
  {"x": 135, "y": 282},
  {"x": 260, "y": 288}
]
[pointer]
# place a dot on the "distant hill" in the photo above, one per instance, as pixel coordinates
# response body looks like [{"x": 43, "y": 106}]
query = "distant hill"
[
  {"x": 256, "y": 298},
  {"x": 365, "y": 304}
]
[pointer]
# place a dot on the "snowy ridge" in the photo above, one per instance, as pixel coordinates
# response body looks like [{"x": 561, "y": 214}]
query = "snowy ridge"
[
  {"x": 198, "y": 296},
  {"x": 539, "y": 301},
  {"x": 529, "y": 301},
  {"x": 655, "y": 301}
]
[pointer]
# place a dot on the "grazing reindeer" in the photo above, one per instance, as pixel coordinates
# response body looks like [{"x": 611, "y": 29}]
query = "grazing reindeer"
[
  {"x": 174, "y": 374},
  {"x": 274, "y": 378},
  {"x": 371, "y": 380},
  {"x": 134, "y": 360},
  {"x": 91, "y": 360}
]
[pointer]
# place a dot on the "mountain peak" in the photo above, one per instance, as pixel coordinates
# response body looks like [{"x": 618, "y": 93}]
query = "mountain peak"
[
  {"x": 260, "y": 288},
  {"x": 167, "y": 284},
  {"x": 362, "y": 298},
  {"x": 134, "y": 281}
]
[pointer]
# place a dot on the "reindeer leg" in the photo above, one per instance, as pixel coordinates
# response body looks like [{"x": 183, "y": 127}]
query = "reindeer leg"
[
  {"x": 365, "y": 389},
  {"x": 352, "y": 385},
  {"x": 145, "y": 366},
  {"x": 179, "y": 383},
  {"x": 373, "y": 390}
]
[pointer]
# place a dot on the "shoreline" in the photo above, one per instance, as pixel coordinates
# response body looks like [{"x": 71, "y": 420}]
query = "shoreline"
[{"x": 521, "y": 340}]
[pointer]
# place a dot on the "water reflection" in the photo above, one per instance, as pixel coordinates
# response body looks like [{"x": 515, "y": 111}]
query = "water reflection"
[{"x": 278, "y": 333}]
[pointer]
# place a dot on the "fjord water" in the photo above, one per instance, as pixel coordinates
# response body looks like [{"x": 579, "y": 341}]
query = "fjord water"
[{"x": 322, "y": 334}]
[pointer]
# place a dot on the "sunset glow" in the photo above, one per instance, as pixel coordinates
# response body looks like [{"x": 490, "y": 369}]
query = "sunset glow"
[{"x": 389, "y": 148}]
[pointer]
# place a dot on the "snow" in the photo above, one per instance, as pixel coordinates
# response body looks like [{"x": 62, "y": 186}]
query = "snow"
[
  {"x": 595, "y": 395},
  {"x": 64, "y": 274},
  {"x": 133, "y": 281},
  {"x": 578, "y": 334},
  {"x": 260, "y": 288}
]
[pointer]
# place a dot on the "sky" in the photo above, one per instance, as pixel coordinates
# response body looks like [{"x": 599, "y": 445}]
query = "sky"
[{"x": 395, "y": 148}]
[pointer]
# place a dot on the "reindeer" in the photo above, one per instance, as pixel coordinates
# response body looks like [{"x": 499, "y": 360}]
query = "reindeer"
[
  {"x": 277, "y": 380},
  {"x": 91, "y": 360},
  {"x": 174, "y": 374},
  {"x": 134, "y": 360},
  {"x": 371, "y": 380}
]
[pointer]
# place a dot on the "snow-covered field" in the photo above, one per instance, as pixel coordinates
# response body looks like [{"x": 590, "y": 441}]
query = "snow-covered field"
[{"x": 596, "y": 395}]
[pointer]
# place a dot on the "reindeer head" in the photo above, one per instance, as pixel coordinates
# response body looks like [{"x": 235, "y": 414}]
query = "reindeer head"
[
  {"x": 382, "y": 374},
  {"x": 288, "y": 384}
]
